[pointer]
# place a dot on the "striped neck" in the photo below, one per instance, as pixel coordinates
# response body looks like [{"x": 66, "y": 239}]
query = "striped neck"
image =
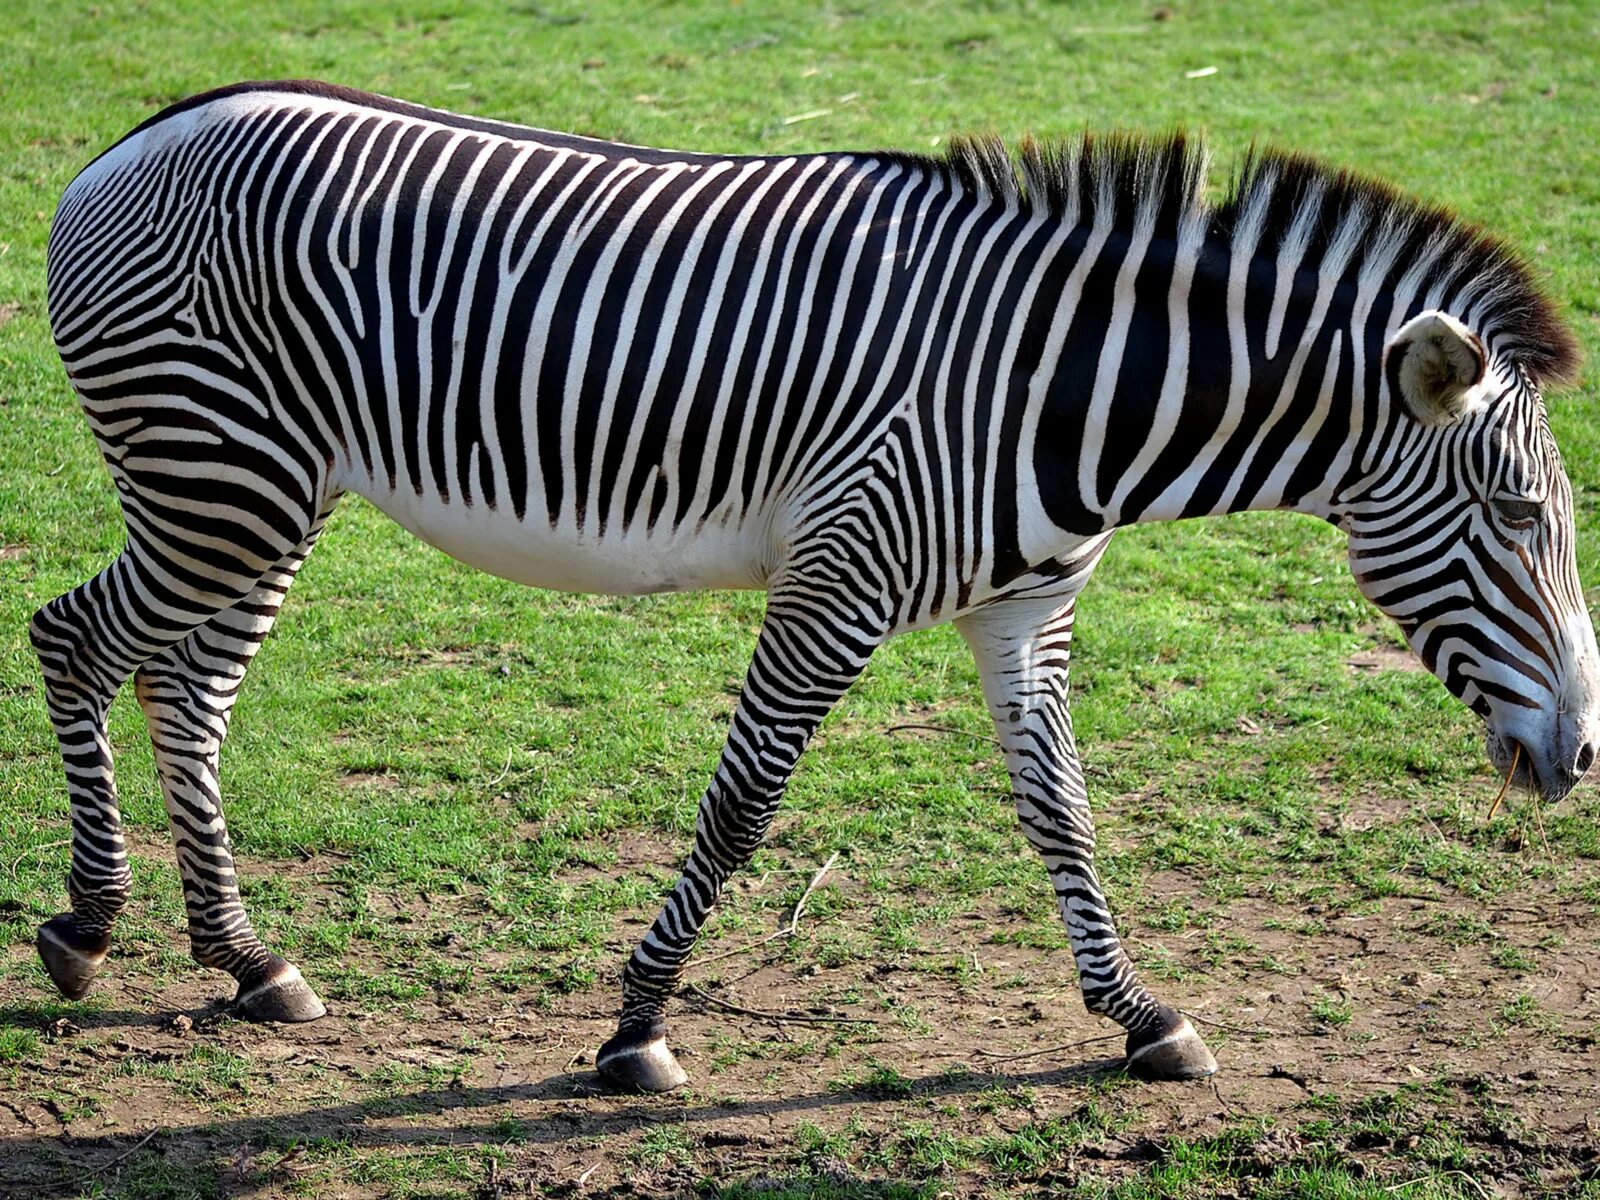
[{"x": 1192, "y": 374}]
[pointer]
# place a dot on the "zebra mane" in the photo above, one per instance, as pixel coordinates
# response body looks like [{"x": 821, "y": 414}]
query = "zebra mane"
[{"x": 1135, "y": 179}]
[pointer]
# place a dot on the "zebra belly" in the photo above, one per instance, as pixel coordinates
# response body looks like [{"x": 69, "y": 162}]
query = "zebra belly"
[{"x": 633, "y": 562}]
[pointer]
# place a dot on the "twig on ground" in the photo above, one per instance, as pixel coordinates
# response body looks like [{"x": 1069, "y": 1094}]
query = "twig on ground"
[
  {"x": 584, "y": 1178},
  {"x": 776, "y": 1017},
  {"x": 1217, "y": 1092},
  {"x": 1244, "y": 1029},
  {"x": 800, "y": 904},
  {"x": 31, "y": 851},
  {"x": 1104, "y": 1037},
  {"x": 147, "y": 993},
  {"x": 786, "y": 931},
  {"x": 126, "y": 1154}
]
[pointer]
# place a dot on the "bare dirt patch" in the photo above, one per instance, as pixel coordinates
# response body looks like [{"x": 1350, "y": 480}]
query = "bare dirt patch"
[
  {"x": 357, "y": 777},
  {"x": 1385, "y": 656},
  {"x": 1310, "y": 1010}
]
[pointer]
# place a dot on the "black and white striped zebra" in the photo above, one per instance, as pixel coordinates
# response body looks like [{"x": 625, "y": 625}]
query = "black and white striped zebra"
[{"x": 889, "y": 390}]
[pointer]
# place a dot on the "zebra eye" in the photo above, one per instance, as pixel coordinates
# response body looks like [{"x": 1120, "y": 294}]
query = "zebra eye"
[{"x": 1517, "y": 511}]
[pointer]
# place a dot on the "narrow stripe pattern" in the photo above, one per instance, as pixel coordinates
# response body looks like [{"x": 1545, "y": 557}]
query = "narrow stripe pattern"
[{"x": 889, "y": 390}]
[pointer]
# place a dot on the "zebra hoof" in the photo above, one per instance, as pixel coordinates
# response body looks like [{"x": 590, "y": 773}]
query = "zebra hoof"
[
  {"x": 71, "y": 956},
  {"x": 282, "y": 996},
  {"x": 640, "y": 1061},
  {"x": 1177, "y": 1053}
]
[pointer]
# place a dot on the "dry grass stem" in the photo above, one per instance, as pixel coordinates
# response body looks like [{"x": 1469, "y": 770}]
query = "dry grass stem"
[{"x": 1516, "y": 754}]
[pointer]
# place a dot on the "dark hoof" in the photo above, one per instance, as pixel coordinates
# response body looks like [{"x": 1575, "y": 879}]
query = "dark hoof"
[
  {"x": 71, "y": 956},
  {"x": 639, "y": 1061},
  {"x": 280, "y": 996},
  {"x": 1177, "y": 1053}
]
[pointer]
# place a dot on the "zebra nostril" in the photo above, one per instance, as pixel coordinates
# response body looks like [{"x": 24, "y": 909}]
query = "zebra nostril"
[{"x": 1585, "y": 758}]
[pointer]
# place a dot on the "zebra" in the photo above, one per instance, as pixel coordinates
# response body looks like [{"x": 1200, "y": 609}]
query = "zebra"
[{"x": 891, "y": 390}]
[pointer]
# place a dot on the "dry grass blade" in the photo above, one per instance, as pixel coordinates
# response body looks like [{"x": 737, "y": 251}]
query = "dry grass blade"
[
  {"x": 998, "y": 1057},
  {"x": 925, "y": 727},
  {"x": 788, "y": 930},
  {"x": 1516, "y": 754},
  {"x": 31, "y": 851},
  {"x": 1538, "y": 823},
  {"x": 777, "y": 1018},
  {"x": 126, "y": 1154},
  {"x": 1247, "y": 1030}
]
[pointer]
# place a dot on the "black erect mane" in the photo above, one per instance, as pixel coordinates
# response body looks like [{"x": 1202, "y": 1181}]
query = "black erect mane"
[{"x": 1128, "y": 179}]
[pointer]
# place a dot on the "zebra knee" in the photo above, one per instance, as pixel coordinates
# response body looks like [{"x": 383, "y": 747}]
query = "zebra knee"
[
  {"x": 73, "y": 682},
  {"x": 54, "y": 644},
  {"x": 157, "y": 697}
]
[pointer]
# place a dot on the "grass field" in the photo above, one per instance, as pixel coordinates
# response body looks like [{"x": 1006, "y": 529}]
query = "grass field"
[{"x": 456, "y": 802}]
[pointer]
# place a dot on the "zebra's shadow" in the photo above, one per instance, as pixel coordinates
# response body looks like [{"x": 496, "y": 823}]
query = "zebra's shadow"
[
  {"x": 81, "y": 1016},
  {"x": 57, "y": 1165}
]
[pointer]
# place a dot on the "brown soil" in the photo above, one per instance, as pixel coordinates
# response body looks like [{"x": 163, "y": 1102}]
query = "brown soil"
[
  {"x": 1385, "y": 656},
  {"x": 1310, "y": 1013}
]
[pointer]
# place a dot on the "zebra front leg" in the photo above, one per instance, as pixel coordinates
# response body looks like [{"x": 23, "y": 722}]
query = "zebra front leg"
[
  {"x": 188, "y": 693},
  {"x": 1023, "y": 650},
  {"x": 804, "y": 661}
]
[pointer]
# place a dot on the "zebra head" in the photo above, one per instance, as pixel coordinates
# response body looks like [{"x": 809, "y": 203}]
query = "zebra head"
[{"x": 1464, "y": 536}]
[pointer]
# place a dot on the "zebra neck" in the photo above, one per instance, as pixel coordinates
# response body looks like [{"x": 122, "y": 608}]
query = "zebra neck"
[{"x": 1187, "y": 376}]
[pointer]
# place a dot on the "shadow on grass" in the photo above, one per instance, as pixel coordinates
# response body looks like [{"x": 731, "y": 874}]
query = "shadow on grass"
[
  {"x": 39, "y": 1016},
  {"x": 62, "y": 1165}
]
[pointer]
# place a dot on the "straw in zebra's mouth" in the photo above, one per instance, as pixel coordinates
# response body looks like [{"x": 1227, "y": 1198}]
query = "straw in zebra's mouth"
[{"x": 1511, "y": 773}]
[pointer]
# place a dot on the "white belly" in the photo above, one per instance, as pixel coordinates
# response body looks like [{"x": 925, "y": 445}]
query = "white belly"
[{"x": 633, "y": 562}]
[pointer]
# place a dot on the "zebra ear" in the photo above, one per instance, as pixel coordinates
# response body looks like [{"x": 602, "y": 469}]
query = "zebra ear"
[{"x": 1433, "y": 363}]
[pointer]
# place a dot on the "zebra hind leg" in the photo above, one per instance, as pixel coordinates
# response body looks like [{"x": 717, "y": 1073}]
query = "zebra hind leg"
[
  {"x": 89, "y": 641},
  {"x": 187, "y": 693},
  {"x": 803, "y": 663},
  {"x": 81, "y": 678},
  {"x": 1023, "y": 651}
]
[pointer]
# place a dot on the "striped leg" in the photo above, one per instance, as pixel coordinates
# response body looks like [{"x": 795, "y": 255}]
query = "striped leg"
[
  {"x": 1023, "y": 648},
  {"x": 187, "y": 693},
  {"x": 805, "y": 660},
  {"x": 165, "y": 584},
  {"x": 81, "y": 677}
]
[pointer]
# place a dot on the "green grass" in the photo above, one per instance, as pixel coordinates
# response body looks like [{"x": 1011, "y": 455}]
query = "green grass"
[{"x": 448, "y": 756}]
